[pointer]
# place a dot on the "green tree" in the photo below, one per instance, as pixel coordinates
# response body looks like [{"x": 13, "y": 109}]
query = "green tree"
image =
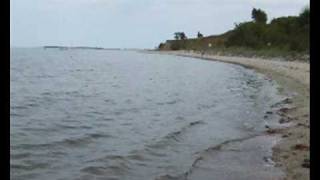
[
  {"x": 199, "y": 35},
  {"x": 248, "y": 34},
  {"x": 180, "y": 36},
  {"x": 304, "y": 17},
  {"x": 183, "y": 36},
  {"x": 177, "y": 35},
  {"x": 259, "y": 16}
]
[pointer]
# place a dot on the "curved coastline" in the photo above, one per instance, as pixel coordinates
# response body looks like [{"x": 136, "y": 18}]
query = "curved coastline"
[{"x": 291, "y": 153}]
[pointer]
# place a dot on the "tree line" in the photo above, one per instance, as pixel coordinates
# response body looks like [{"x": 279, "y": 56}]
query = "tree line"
[
  {"x": 287, "y": 33},
  {"x": 284, "y": 33}
]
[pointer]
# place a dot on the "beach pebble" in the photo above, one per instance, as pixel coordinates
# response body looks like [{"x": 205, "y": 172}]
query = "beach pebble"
[
  {"x": 285, "y": 156},
  {"x": 285, "y": 135},
  {"x": 306, "y": 163},
  {"x": 301, "y": 147},
  {"x": 269, "y": 112},
  {"x": 284, "y": 120},
  {"x": 286, "y": 101},
  {"x": 304, "y": 125},
  {"x": 271, "y": 131}
]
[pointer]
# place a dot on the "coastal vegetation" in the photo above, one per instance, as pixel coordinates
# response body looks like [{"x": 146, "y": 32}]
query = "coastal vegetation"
[{"x": 282, "y": 36}]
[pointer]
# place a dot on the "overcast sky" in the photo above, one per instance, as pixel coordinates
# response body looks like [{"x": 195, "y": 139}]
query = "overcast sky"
[{"x": 130, "y": 23}]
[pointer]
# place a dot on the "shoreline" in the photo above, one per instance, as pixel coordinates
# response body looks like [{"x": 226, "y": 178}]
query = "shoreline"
[{"x": 291, "y": 153}]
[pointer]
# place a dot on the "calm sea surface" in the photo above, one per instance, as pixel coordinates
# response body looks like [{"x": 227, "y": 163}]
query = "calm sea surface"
[{"x": 101, "y": 114}]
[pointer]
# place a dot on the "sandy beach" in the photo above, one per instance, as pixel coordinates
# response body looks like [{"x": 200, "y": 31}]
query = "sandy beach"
[{"x": 291, "y": 152}]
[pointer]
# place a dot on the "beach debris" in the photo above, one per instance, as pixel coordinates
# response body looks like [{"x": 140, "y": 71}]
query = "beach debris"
[
  {"x": 285, "y": 156},
  {"x": 306, "y": 163},
  {"x": 284, "y": 110},
  {"x": 269, "y": 112},
  {"x": 284, "y": 101},
  {"x": 284, "y": 120},
  {"x": 304, "y": 125},
  {"x": 195, "y": 123},
  {"x": 285, "y": 135},
  {"x": 271, "y": 131},
  {"x": 287, "y": 101},
  {"x": 268, "y": 160},
  {"x": 301, "y": 147}
]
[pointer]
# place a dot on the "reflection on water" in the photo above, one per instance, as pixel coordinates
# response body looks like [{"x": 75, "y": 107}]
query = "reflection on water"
[{"x": 85, "y": 114}]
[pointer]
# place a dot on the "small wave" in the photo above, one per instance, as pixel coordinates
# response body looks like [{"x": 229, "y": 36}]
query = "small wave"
[
  {"x": 221, "y": 145},
  {"x": 118, "y": 113},
  {"x": 110, "y": 101},
  {"x": 116, "y": 86},
  {"x": 119, "y": 165},
  {"x": 107, "y": 119},
  {"x": 47, "y": 93},
  {"x": 30, "y": 165},
  {"x": 35, "y": 129},
  {"x": 96, "y": 112},
  {"x": 179, "y": 118},
  {"x": 156, "y": 114},
  {"x": 169, "y": 177},
  {"x": 19, "y": 107},
  {"x": 96, "y": 170},
  {"x": 81, "y": 70},
  {"x": 153, "y": 153},
  {"x": 126, "y": 124},
  {"x": 20, "y": 155},
  {"x": 66, "y": 126},
  {"x": 32, "y": 104},
  {"x": 172, "y": 102},
  {"x": 72, "y": 93},
  {"x": 136, "y": 157},
  {"x": 68, "y": 142},
  {"x": 19, "y": 166},
  {"x": 99, "y": 135},
  {"x": 205, "y": 106},
  {"x": 33, "y": 146},
  {"x": 74, "y": 127},
  {"x": 196, "y": 123},
  {"x": 175, "y": 136},
  {"x": 168, "y": 102},
  {"x": 128, "y": 101},
  {"x": 44, "y": 76},
  {"x": 109, "y": 170},
  {"x": 13, "y": 114},
  {"x": 74, "y": 142}
]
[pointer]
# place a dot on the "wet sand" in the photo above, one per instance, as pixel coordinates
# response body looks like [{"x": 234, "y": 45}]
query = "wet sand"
[{"x": 291, "y": 152}]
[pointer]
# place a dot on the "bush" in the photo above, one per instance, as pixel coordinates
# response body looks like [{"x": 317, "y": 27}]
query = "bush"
[
  {"x": 248, "y": 34},
  {"x": 178, "y": 45},
  {"x": 259, "y": 16}
]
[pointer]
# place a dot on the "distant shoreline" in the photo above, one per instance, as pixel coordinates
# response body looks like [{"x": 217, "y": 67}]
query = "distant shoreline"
[
  {"x": 291, "y": 154},
  {"x": 78, "y": 47}
]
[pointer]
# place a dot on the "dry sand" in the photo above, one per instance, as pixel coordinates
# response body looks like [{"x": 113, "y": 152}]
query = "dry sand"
[{"x": 291, "y": 153}]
